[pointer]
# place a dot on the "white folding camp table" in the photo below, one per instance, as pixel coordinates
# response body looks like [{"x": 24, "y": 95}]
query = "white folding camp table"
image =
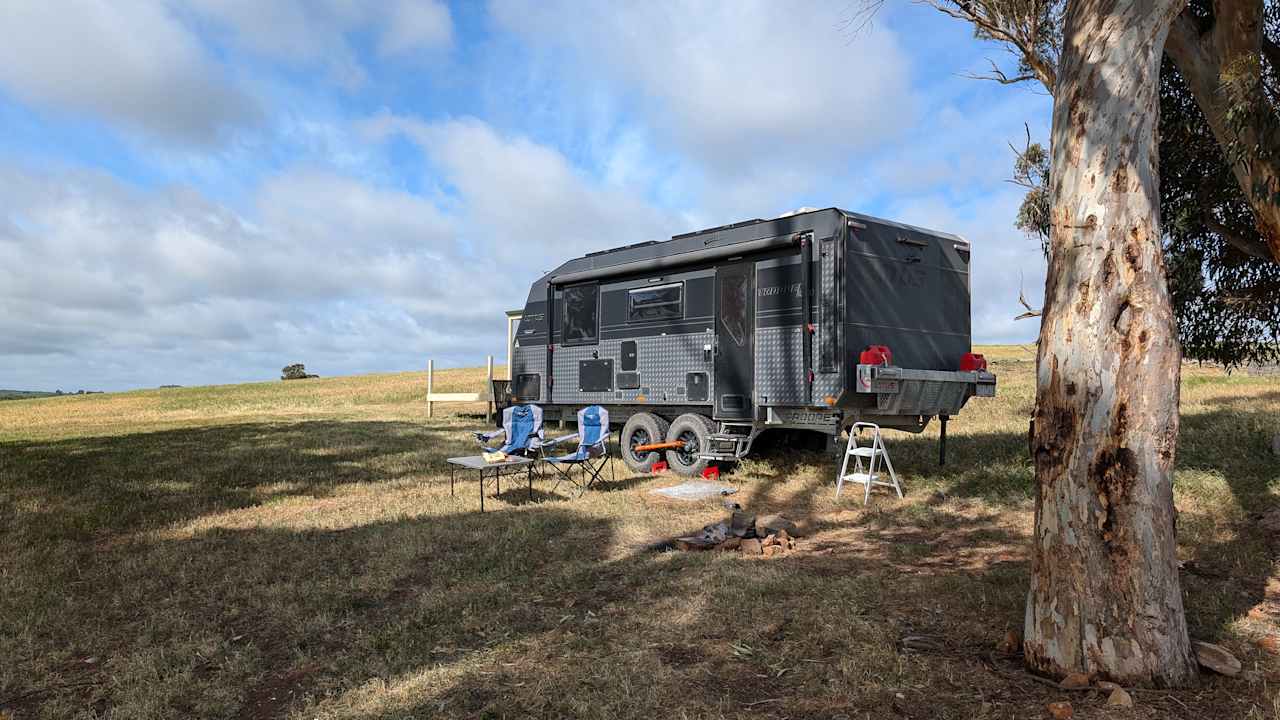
[{"x": 492, "y": 471}]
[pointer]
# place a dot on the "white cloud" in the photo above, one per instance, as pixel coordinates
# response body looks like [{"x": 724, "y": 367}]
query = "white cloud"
[
  {"x": 416, "y": 25},
  {"x": 628, "y": 123},
  {"x": 318, "y": 33},
  {"x": 132, "y": 64},
  {"x": 326, "y": 266},
  {"x": 529, "y": 206},
  {"x": 761, "y": 98}
]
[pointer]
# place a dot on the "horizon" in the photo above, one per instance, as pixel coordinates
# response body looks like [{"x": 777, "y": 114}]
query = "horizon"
[{"x": 321, "y": 376}]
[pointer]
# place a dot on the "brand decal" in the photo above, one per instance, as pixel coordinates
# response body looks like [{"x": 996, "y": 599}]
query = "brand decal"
[
  {"x": 779, "y": 290},
  {"x": 804, "y": 417}
]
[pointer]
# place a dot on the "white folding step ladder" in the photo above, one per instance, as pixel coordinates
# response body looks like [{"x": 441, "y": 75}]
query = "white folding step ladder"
[{"x": 867, "y": 474}]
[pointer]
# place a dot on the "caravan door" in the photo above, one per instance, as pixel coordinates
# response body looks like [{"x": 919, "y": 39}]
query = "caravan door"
[{"x": 735, "y": 340}]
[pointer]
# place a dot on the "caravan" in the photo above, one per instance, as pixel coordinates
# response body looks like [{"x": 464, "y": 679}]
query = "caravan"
[{"x": 703, "y": 342}]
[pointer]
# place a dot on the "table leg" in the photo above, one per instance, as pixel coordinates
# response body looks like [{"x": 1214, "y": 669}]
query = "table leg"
[
  {"x": 497, "y": 483},
  {"x": 481, "y": 491},
  {"x": 452, "y": 471},
  {"x": 529, "y": 471}
]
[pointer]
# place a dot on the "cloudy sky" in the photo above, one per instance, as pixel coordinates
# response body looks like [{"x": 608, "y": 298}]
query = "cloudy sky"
[{"x": 205, "y": 191}]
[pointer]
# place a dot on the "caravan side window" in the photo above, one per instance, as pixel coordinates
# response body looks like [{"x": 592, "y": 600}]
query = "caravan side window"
[
  {"x": 581, "y": 314},
  {"x": 660, "y": 302}
]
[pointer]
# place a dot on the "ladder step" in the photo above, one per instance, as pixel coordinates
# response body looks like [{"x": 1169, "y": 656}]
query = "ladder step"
[
  {"x": 876, "y": 453},
  {"x": 861, "y": 479}
]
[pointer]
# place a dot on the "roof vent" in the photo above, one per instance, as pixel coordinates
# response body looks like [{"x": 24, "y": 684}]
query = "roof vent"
[{"x": 797, "y": 211}]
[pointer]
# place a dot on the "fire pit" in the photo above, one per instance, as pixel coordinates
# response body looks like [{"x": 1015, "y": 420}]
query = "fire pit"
[{"x": 745, "y": 533}]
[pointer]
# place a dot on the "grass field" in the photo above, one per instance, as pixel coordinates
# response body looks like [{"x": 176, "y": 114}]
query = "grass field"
[{"x": 291, "y": 550}]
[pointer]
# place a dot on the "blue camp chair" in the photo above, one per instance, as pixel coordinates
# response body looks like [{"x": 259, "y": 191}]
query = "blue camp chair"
[
  {"x": 522, "y": 424},
  {"x": 592, "y": 454}
]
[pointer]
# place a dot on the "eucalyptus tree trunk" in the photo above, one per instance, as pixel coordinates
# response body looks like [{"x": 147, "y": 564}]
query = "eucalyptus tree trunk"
[{"x": 1104, "y": 595}]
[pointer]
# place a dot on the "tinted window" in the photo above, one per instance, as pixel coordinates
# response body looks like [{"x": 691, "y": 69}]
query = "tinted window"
[
  {"x": 661, "y": 302},
  {"x": 581, "y": 314},
  {"x": 735, "y": 299}
]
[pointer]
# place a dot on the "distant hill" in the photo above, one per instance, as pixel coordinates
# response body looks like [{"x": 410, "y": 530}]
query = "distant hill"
[
  {"x": 22, "y": 394},
  {"x": 30, "y": 394}
]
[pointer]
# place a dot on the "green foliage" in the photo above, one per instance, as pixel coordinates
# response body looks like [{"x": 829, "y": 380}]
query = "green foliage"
[
  {"x": 297, "y": 371},
  {"x": 1224, "y": 287},
  {"x": 1040, "y": 22},
  {"x": 1031, "y": 170},
  {"x": 1251, "y": 89},
  {"x": 1032, "y": 29},
  {"x": 1225, "y": 293},
  {"x": 1227, "y": 301}
]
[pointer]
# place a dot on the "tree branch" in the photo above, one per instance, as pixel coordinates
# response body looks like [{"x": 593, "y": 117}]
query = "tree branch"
[
  {"x": 1271, "y": 51},
  {"x": 1044, "y": 70},
  {"x": 1031, "y": 312},
  {"x": 998, "y": 75},
  {"x": 1019, "y": 33},
  {"x": 1235, "y": 240},
  {"x": 861, "y": 18},
  {"x": 1183, "y": 45},
  {"x": 1250, "y": 142}
]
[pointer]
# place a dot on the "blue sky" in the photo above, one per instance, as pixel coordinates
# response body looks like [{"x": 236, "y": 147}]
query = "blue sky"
[{"x": 205, "y": 191}]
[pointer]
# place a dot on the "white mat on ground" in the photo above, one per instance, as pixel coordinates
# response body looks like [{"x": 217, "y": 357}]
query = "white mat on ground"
[{"x": 695, "y": 490}]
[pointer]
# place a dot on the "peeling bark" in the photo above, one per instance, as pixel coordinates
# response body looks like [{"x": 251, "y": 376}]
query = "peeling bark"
[{"x": 1105, "y": 597}]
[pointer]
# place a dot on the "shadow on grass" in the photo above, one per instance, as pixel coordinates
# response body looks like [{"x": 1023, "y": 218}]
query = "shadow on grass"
[
  {"x": 993, "y": 467},
  {"x": 1227, "y": 577},
  {"x": 96, "y": 486},
  {"x": 519, "y": 493},
  {"x": 528, "y": 610}
]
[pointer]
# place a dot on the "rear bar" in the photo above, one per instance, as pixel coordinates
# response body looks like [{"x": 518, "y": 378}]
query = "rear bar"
[{"x": 906, "y": 391}]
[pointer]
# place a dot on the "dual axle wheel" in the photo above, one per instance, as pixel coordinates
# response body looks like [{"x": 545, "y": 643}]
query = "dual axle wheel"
[{"x": 692, "y": 430}]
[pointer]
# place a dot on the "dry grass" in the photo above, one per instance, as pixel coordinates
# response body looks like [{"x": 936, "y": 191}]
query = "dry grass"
[{"x": 292, "y": 550}]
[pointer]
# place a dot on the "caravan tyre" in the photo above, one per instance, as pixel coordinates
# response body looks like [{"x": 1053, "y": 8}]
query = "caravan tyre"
[
  {"x": 641, "y": 429},
  {"x": 695, "y": 430}
]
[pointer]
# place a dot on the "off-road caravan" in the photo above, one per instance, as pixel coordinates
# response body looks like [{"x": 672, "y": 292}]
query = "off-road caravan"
[{"x": 804, "y": 322}]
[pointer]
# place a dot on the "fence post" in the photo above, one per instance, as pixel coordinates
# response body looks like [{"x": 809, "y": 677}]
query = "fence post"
[
  {"x": 431, "y": 367},
  {"x": 489, "y": 381}
]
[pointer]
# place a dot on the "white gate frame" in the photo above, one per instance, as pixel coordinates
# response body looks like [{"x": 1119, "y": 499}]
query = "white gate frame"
[{"x": 486, "y": 396}]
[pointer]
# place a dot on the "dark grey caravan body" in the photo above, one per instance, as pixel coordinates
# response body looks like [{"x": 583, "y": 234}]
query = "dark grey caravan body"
[{"x": 711, "y": 338}]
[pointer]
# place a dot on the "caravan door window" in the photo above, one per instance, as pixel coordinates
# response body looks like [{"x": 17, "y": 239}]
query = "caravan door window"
[
  {"x": 581, "y": 314},
  {"x": 660, "y": 302}
]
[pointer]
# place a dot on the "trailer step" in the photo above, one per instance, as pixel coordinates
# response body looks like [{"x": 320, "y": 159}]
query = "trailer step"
[{"x": 726, "y": 446}]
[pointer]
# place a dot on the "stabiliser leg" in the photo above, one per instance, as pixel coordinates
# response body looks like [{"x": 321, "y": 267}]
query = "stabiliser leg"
[{"x": 942, "y": 440}]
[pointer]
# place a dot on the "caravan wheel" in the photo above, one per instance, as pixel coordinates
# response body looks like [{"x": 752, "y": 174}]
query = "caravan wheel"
[
  {"x": 641, "y": 429},
  {"x": 695, "y": 430}
]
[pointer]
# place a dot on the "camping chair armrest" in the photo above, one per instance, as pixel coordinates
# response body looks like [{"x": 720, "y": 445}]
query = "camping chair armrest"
[
  {"x": 484, "y": 436},
  {"x": 560, "y": 440},
  {"x": 603, "y": 441}
]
